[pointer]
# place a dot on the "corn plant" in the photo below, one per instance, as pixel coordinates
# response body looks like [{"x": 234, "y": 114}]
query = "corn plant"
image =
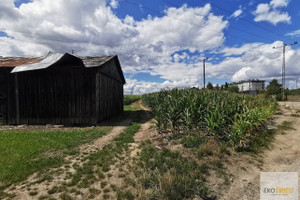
[{"x": 220, "y": 114}]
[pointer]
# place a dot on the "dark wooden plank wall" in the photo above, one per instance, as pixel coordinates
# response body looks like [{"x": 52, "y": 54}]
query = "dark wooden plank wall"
[
  {"x": 11, "y": 99},
  {"x": 63, "y": 95},
  {"x": 4, "y": 73},
  {"x": 110, "y": 98},
  {"x": 57, "y": 96}
]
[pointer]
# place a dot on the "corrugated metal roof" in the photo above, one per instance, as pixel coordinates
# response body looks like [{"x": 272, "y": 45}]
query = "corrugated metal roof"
[
  {"x": 94, "y": 61},
  {"x": 16, "y": 61},
  {"x": 28, "y": 64},
  {"x": 44, "y": 63}
]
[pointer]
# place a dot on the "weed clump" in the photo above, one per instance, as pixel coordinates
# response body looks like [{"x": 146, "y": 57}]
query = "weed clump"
[
  {"x": 168, "y": 175},
  {"x": 191, "y": 142}
]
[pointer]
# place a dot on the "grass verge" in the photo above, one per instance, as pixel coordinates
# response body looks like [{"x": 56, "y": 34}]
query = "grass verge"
[
  {"x": 129, "y": 99},
  {"x": 100, "y": 162},
  {"x": 25, "y": 152},
  {"x": 168, "y": 175}
]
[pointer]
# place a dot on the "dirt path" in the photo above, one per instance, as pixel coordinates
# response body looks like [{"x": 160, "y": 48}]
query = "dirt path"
[
  {"x": 59, "y": 175},
  {"x": 38, "y": 185},
  {"x": 283, "y": 156},
  {"x": 99, "y": 143}
]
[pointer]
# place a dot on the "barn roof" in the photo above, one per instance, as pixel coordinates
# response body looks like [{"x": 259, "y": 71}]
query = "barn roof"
[
  {"x": 16, "y": 61},
  {"x": 28, "y": 64},
  {"x": 44, "y": 63},
  {"x": 94, "y": 61}
]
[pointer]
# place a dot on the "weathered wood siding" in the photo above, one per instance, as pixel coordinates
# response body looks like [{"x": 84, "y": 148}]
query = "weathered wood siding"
[
  {"x": 62, "y": 94},
  {"x": 110, "y": 99},
  {"x": 57, "y": 96},
  {"x": 4, "y": 75}
]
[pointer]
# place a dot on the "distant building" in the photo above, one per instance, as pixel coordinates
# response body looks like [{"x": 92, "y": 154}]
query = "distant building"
[{"x": 251, "y": 86}]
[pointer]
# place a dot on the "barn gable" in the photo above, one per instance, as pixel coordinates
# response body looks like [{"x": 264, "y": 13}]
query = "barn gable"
[
  {"x": 52, "y": 59},
  {"x": 108, "y": 65}
]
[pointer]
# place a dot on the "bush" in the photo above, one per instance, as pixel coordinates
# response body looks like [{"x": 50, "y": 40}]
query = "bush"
[{"x": 274, "y": 90}]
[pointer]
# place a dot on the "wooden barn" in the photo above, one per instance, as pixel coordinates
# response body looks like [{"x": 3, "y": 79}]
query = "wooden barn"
[{"x": 60, "y": 89}]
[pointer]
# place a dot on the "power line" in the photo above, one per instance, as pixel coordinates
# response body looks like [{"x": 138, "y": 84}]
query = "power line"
[
  {"x": 89, "y": 43},
  {"x": 283, "y": 66},
  {"x": 246, "y": 20},
  {"x": 233, "y": 27},
  {"x": 204, "y": 60},
  {"x": 153, "y": 10},
  {"x": 123, "y": 51},
  {"x": 72, "y": 41}
]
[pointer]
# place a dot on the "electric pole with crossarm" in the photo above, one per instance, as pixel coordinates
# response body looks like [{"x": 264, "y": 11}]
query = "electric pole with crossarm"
[
  {"x": 283, "y": 66},
  {"x": 204, "y": 60}
]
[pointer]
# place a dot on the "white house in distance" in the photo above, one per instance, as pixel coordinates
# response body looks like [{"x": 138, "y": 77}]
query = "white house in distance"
[{"x": 251, "y": 86}]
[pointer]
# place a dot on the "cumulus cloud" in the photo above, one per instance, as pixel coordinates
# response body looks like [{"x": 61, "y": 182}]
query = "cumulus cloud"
[
  {"x": 295, "y": 33},
  {"x": 153, "y": 45},
  {"x": 271, "y": 12},
  {"x": 8, "y": 11},
  {"x": 279, "y": 3},
  {"x": 237, "y": 13},
  {"x": 264, "y": 62},
  {"x": 114, "y": 4},
  {"x": 255, "y": 61},
  {"x": 228, "y": 51},
  {"x": 168, "y": 46}
]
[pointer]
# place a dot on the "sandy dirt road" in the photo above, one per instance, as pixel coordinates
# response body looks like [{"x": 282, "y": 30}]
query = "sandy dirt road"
[{"x": 283, "y": 156}]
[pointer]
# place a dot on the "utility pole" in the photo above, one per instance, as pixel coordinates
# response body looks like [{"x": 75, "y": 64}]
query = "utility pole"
[
  {"x": 283, "y": 65},
  {"x": 204, "y": 60}
]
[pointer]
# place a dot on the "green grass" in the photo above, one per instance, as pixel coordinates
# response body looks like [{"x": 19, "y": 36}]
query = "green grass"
[
  {"x": 24, "y": 152},
  {"x": 168, "y": 175},
  {"x": 125, "y": 195},
  {"x": 129, "y": 99},
  {"x": 101, "y": 161},
  {"x": 285, "y": 126},
  {"x": 192, "y": 141},
  {"x": 130, "y": 108}
]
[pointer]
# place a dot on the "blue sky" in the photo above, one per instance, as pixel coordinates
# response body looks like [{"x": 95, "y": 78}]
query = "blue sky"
[{"x": 161, "y": 43}]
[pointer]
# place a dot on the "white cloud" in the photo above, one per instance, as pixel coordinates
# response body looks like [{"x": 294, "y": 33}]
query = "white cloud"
[
  {"x": 256, "y": 61},
  {"x": 8, "y": 11},
  {"x": 228, "y": 51},
  {"x": 153, "y": 45},
  {"x": 279, "y": 3},
  {"x": 295, "y": 33},
  {"x": 271, "y": 12},
  {"x": 114, "y": 4},
  {"x": 237, "y": 13},
  {"x": 264, "y": 62},
  {"x": 157, "y": 45},
  {"x": 28, "y": 49}
]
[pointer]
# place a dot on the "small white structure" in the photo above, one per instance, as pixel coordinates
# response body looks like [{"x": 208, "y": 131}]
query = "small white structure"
[{"x": 251, "y": 86}]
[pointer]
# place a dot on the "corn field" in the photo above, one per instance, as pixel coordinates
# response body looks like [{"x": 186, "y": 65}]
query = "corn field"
[{"x": 224, "y": 115}]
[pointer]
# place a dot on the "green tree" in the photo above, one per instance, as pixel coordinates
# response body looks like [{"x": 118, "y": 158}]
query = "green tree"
[
  {"x": 233, "y": 88},
  {"x": 274, "y": 89},
  {"x": 226, "y": 85},
  {"x": 209, "y": 86}
]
